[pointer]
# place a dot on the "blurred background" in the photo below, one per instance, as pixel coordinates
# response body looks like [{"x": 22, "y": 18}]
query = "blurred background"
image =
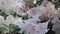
[{"x": 38, "y": 3}]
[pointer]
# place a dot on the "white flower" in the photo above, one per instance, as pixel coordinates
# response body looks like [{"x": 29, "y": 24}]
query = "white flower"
[
  {"x": 55, "y": 20},
  {"x": 42, "y": 27},
  {"x": 12, "y": 20},
  {"x": 33, "y": 20},
  {"x": 9, "y": 19},
  {"x": 46, "y": 8},
  {"x": 11, "y": 6},
  {"x": 2, "y": 21},
  {"x": 56, "y": 26},
  {"x": 19, "y": 22},
  {"x": 21, "y": 10},
  {"x": 32, "y": 28}
]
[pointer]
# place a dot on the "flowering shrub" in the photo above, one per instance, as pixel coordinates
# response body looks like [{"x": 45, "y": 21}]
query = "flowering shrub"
[{"x": 29, "y": 17}]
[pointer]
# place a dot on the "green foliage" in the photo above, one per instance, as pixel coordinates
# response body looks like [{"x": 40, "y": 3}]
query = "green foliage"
[
  {"x": 38, "y": 2},
  {"x": 25, "y": 17},
  {"x": 11, "y": 29},
  {"x": 3, "y": 14},
  {"x": 16, "y": 15},
  {"x": 12, "y": 26}
]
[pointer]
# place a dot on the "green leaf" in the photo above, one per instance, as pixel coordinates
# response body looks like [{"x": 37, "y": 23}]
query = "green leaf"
[
  {"x": 25, "y": 17},
  {"x": 3, "y": 29},
  {"x": 15, "y": 27}
]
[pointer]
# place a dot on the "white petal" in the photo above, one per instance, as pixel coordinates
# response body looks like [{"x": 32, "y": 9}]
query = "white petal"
[
  {"x": 1, "y": 19},
  {"x": 10, "y": 19}
]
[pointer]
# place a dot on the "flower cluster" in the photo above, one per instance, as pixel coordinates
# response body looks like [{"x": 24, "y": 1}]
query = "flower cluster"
[
  {"x": 38, "y": 17},
  {"x": 11, "y": 6}
]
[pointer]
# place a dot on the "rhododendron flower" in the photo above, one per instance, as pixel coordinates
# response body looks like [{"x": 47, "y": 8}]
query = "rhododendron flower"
[
  {"x": 10, "y": 20},
  {"x": 47, "y": 10},
  {"x": 32, "y": 28},
  {"x": 11, "y": 6},
  {"x": 42, "y": 28},
  {"x": 40, "y": 16},
  {"x": 19, "y": 22}
]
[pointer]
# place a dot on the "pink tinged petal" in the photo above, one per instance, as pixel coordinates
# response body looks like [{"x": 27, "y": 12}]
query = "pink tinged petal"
[
  {"x": 44, "y": 25},
  {"x": 10, "y": 19},
  {"x": 42, "y": 28},
  {"x": 33, "y": 29},
  {"x": 30, "y": 27}
]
